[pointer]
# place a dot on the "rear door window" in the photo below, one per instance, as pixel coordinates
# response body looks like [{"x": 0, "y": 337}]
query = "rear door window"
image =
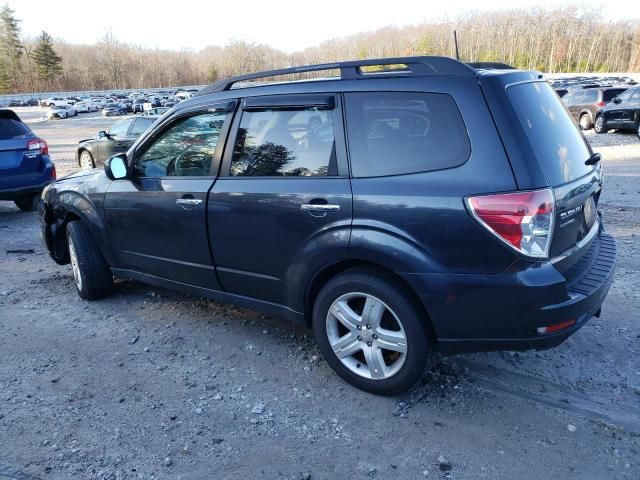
[
  {"x": 554, "y": 137},
  {"x": 395, "y": 133},
  {"x": 291, "y": 142}
]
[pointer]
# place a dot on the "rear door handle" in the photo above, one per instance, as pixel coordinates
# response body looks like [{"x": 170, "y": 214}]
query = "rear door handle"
[
  {"x": 319, "y": 208},
  {"x": 188, "y": 203}
]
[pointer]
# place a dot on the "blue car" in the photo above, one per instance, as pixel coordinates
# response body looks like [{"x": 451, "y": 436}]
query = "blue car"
[{"x": 25, "y": 166}]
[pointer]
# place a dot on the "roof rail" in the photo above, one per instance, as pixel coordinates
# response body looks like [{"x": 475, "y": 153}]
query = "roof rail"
[
  {"x": 353, "y": 70},
  {"x": 490, "y": 66}
]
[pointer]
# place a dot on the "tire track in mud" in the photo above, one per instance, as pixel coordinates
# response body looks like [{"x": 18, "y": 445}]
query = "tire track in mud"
[{"x": 555, "y": 395}]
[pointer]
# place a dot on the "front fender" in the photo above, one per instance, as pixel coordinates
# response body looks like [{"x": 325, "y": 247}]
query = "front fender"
[{"x": 70, "y": 205}]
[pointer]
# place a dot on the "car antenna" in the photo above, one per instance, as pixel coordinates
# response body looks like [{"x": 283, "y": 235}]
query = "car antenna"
[{"x": 455, "y": 42}]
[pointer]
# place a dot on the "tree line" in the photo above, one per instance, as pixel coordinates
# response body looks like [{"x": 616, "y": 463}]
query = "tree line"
[{"x": 558, "y": 40}]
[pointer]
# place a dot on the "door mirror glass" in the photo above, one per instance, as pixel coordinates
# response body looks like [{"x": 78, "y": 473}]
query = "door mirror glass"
[
  {"x": 617, "y": 100},
  {"x": 102, "y": 134},
  {"x": 116, "y": 166}
]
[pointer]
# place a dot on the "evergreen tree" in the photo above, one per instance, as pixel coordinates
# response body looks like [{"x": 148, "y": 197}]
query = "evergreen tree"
[
  {"x": 5, "y": 78},
  {"x": 48, "y": 63},
  {"x": 11, "y": 48}
]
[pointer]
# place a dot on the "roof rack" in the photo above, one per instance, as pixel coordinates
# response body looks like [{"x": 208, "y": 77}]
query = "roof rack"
[{"x": 353, "y": 70}]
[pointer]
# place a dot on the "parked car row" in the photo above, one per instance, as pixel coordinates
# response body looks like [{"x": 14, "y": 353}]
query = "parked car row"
[{"x": 603, "y": 103}]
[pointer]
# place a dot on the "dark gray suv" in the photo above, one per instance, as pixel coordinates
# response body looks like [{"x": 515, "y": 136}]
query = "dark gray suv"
[{"x": 401, "y": 207}]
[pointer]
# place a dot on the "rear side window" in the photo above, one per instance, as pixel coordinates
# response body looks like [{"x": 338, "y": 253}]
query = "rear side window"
[
  {"x": 591, "y": 96},
  {"x": 10, "y": 128},
  {"x": 554, "y": 137},
  {"x": 293, "y": 142},
  {"x": 608, "y": 95},
  {"x": 395, "y": 133}
]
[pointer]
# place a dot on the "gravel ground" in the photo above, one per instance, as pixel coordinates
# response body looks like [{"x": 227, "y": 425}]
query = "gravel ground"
[{"x": 151, "y": 384}]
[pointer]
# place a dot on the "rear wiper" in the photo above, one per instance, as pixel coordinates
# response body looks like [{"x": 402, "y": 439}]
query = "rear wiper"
[{"x": 593, "y": 159}]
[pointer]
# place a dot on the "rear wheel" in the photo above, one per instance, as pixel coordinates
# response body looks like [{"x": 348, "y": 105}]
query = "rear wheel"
[
  {"x": 599, "y": 125},
  {"x": 91, "y": 272},
  {"x": 585, "y": 122},
  {"x": 371, "y": 332},
  {"x": 28, "y": 203}
]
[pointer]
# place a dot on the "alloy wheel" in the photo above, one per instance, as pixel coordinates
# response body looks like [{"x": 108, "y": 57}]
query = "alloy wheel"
[
  {"x": 85, "y": 161},
  {"x": 366, "y": 336},
  {"x": 74, "y": 265}
]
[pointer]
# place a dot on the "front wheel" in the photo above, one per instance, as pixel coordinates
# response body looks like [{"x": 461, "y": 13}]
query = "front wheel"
[
  {"x": 371, "y": 332},
  {"x": 91, "y": 272},
  {"x": 86, "y": 161},
  {"x": 599, "y": 125}
]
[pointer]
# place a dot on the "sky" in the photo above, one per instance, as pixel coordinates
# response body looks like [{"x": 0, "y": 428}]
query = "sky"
[{"x": 287, "y": 25}]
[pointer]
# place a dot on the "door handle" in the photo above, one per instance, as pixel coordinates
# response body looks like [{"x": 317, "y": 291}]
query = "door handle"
[
  {"x": 319, "y": 209},
  {"x": 188, "y": 203}
]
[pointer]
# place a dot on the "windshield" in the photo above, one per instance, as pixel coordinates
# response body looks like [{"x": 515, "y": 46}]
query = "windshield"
[{"x": 553, "y": 135}]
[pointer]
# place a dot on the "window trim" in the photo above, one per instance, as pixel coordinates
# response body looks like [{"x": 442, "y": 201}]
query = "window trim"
[
  {"x": 423, "y": 92},
  {"x": 227, "y": 106},
  {"x": 284, "y": 102}
]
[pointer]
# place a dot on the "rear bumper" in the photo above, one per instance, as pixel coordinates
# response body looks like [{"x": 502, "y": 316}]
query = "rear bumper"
[
  {"x": 13, "y": 192},
  {"x": 504, "y": 312}
]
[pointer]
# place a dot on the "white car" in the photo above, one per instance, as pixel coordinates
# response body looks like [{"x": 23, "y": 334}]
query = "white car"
[
  {"x": 55, "y": 102},
  {"x": 86, "y": 106},
  {"x": 63, "y": 111}
]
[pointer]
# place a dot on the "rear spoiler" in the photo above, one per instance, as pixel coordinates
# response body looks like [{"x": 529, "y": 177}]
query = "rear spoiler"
[
  {"x": 490, "y": 66},
  {"x": 7, "y": 114}
]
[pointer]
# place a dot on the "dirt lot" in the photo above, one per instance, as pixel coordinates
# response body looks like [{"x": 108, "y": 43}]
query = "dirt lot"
[{"x": 153, "y": 384}]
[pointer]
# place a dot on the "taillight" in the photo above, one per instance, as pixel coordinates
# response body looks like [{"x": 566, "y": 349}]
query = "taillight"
[
  {"x": 522, "y": 220},
  {"x": 600, "y": 104},
  {"x": 38, "y": 144}
]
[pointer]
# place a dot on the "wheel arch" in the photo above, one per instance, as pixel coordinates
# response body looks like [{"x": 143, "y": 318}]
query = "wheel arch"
[
  {"x": 70, "y": 206},
  {"x": 322, "y": 277}
]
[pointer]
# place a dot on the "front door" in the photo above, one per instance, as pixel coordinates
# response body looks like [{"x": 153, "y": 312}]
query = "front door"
[
  {"x": 115, "y": 141},
  {"x": 156, "y": 218},
  {"x": 283, "y": 199}
]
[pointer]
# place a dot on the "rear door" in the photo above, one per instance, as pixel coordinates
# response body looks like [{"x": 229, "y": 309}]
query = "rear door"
[
  {"x": 282, "y": 204},
  {"x": 156, "y": 218}
]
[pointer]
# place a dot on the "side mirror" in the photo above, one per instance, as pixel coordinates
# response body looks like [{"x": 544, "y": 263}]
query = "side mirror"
[
  {"x": 102, "y": 134},
  {"x": 617, "y": 100},
  {"x": 116, "y": 167}
]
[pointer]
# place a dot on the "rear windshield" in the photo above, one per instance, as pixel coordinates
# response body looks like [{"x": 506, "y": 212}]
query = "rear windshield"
[
  {"x": 10, "y": 128},
  {"x": 554, "y": 137},
  {"x": 608, "y": 95}
]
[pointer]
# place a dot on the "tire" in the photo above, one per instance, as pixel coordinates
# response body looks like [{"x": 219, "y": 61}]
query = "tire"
[
  {"x": 92, "y": 275},
  {"x": 638, "y": 129},
  {"x": 28, "y": 203},
  {"x": 86, "y": 161},
  {"x": 400, "y": 322},
  {"x": 585, "y": 122},
  {"x": 599, "y": 125}
]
